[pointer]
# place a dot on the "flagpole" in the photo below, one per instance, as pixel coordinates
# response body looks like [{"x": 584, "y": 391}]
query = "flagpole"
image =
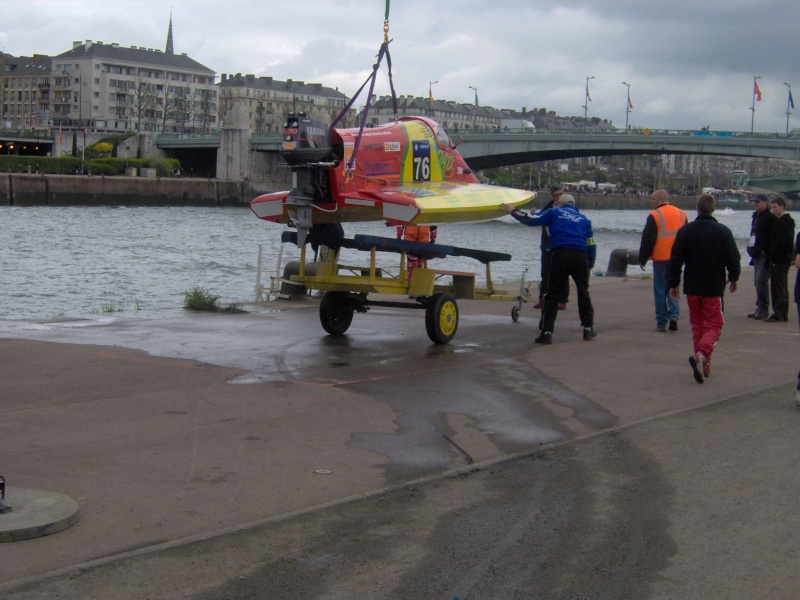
[
  {"x": 586, "y": 104},
  {"x": 753, "y": 116},
  {"x": 789, "y": 102},
  {"x": 627, "y": 105}
]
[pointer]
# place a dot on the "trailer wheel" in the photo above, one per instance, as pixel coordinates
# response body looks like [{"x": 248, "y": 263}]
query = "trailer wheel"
[
  {"x": 441, "y": 318},
  {"x": 515, "y": 313},
  {"x": 336, "y": 312}
]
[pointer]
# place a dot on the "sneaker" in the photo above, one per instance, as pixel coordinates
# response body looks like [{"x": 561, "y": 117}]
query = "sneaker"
[
  {"x": 707, "y": 368},
  {"x": 562, "y": 305},
  {"x": 539, "y": 304},
  {"x": 697, "y": 366},
  {"x": 546, "y": 337},
  {"x": 758, "y": 316},
  {"x": 589, "y": 334},
  {"x": 673, "y": 324},
  {"x": 773, "y": 319},
  {"x": 661, "y": 328}
]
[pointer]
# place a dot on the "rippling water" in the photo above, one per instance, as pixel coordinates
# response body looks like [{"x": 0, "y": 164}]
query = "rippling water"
[{"x": 76, "y": 260}]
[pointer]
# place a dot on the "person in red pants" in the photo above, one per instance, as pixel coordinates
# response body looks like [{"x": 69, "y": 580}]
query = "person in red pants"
[{"x": 711, "y": 259}]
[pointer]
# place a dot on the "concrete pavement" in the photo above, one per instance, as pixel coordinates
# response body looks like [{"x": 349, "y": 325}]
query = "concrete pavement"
[{"x": 172, "y": 427}]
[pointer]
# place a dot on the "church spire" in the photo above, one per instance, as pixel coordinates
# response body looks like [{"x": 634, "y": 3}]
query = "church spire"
[{"x": 169, "y": 49}]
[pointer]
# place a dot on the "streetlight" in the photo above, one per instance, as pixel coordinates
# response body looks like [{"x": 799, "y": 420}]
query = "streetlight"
[
  {"x": 627, "y": 105},
  {"x": 789, "y": 103},
  {"x": 586, "y": 104},
  {"x": 430, "y": 95},
  {"x": 756, "y": 92}
]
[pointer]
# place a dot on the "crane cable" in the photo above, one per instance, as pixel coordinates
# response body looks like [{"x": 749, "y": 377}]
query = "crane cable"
[{"x": 384, "y": 50}]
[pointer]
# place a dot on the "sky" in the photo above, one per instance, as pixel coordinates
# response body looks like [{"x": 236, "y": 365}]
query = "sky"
[{"x": 689, "y": 63}]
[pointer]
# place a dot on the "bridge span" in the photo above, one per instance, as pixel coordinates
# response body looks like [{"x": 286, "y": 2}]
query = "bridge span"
[{"x": 484, "y": 150}]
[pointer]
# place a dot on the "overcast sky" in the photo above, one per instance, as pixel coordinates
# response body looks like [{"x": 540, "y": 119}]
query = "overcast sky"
[{"x": 689, "y": 63}]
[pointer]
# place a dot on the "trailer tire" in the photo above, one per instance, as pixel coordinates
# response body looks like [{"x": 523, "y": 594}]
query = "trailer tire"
[
  {"x": 336, "y": 312},
  {"x": 441, "y": 318}
]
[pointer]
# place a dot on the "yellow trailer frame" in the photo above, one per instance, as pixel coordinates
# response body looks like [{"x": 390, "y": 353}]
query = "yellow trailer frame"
[{"x": 347, "y": 287}]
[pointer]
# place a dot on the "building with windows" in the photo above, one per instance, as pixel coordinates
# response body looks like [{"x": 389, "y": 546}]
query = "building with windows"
[
  {"x": 268, "y": 101},
  {"x": 451, "y": 115},
  {"x": 107, "y": 87},
  {"x": 24, "y": 91}
]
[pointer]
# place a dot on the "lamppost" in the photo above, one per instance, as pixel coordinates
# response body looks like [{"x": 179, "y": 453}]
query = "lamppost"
[
  {"x": 756, "y": 92},
  {"x": 789, "y": 103},
  {"x": 587, "y": 99},
  {"x": 627, "y": 105},
  {"x": 430, "y": 96},
  {"x": 475, "y": 121}
]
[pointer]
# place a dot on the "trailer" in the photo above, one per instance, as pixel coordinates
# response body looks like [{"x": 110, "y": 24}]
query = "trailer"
[{"x": 347, "y": 288}]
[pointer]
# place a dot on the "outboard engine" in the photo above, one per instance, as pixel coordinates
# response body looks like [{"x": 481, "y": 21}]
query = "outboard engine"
[{"x": 307, "y": 149}]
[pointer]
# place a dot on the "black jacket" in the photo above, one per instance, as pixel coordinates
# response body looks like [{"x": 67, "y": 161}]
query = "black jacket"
[
  {"x": 761, "y": 229},
  {"x": 708, "y": 250},
  {"x": 781, "y": 247}
]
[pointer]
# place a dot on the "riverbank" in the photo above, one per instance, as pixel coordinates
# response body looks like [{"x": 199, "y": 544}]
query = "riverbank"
[
  {"x": 81, "y": 190},
  {"x": 23, "y": 189}
]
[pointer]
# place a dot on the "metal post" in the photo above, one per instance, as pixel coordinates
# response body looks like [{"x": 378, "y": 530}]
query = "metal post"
[
  {"x": 587, "y": 99},
  {"x": 789, "y": 102},
  {"x": 627, "y": 105},
  {"x": 753, "y": 116}
]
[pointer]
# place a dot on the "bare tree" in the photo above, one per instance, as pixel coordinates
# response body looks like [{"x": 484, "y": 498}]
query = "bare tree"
[
  {"x": 143, "y": 101},
  {"x": 184, "y": 107},
  {"x": 168, "y": 105},
  {"x": 225, "y": 102},
  {"x": 207, "y": 106}
]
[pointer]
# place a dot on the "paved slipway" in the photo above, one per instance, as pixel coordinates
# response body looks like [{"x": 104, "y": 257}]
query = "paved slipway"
[{"x": 252, "y": 456}]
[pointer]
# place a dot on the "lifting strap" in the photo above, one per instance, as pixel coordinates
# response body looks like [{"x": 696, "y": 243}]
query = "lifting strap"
[{"x": 384, "y": 50}]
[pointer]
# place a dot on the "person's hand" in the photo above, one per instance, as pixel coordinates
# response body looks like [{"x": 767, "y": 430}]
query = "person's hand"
[
  {"x": 732, "y": 287},
  {"x": 506, "y": 208},
  {"x": 675, "y": 293},
  {"x": 641, "y": 267}
]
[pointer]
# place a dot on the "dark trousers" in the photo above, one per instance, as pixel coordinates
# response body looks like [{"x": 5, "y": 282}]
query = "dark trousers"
[
  {"x": 563, "y": 296},
  {"x": 566, "y": 263},
  {"x": 761, "y": 281},
  {"x": 779, "y": 290}
]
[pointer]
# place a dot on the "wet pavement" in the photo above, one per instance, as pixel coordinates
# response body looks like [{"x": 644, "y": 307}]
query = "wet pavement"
[{"x": 173, "y": 427}]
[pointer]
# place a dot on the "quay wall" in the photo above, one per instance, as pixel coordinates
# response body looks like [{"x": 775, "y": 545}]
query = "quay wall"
[
  {"x": 21, "y": 189},
  {"x": 79, "y": 190}
]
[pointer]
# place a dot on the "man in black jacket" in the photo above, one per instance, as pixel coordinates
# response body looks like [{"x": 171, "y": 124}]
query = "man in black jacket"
[
  {"x": 781, "y": 256},
  {"x": 709, "y": 252},
  {"x": 758, "y": 249}
]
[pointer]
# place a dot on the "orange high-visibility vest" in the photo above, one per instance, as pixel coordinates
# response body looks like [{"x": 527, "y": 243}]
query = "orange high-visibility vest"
[
  {"x": 417, "y": 233},
  {"x": 668, "y": 220}
]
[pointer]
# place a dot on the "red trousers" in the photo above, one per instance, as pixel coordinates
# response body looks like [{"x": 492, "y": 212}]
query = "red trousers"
[{"x": 705, "y": 317}]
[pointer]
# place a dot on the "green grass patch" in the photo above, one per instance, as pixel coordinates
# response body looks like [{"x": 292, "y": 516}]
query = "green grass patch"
[{"x": 199, "y": 299}]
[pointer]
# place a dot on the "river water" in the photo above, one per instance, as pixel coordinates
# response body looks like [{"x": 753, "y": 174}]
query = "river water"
[{"x": 67, "y": 261}]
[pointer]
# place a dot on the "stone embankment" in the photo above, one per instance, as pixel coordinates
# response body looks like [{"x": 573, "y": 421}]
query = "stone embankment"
[{"x": 81, "y": 190}]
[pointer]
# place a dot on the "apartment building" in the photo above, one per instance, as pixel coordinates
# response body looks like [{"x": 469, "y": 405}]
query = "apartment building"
[
  {"x": 268, "y": 101},
  {"x": 108, "y": 87},
  {"x": 24, "y": 91},
  {"x": 452, "y": 115}
]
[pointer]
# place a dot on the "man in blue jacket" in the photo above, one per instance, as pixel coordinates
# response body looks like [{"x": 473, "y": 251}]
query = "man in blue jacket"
[
  {"x": 573, "y": 252},
  {"x": 711, "y": 257}
]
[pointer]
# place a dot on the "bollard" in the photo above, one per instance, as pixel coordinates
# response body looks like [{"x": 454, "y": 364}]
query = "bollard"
[{"x": 619, "y": 260}]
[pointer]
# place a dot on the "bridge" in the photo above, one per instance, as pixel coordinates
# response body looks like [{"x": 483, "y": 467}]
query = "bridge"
[{"x": 490, "y": 149}]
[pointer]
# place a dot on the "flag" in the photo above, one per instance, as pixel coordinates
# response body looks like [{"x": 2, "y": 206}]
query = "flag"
[
  {"x": 630, "y": 104},
  {"x": 791, "y": 100},
  {"x": 430, "y": 95},
  {"x": 588, "y": 97},
  {"x": 477, "y": 104},
  {"x": 756, "y": 91}
]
